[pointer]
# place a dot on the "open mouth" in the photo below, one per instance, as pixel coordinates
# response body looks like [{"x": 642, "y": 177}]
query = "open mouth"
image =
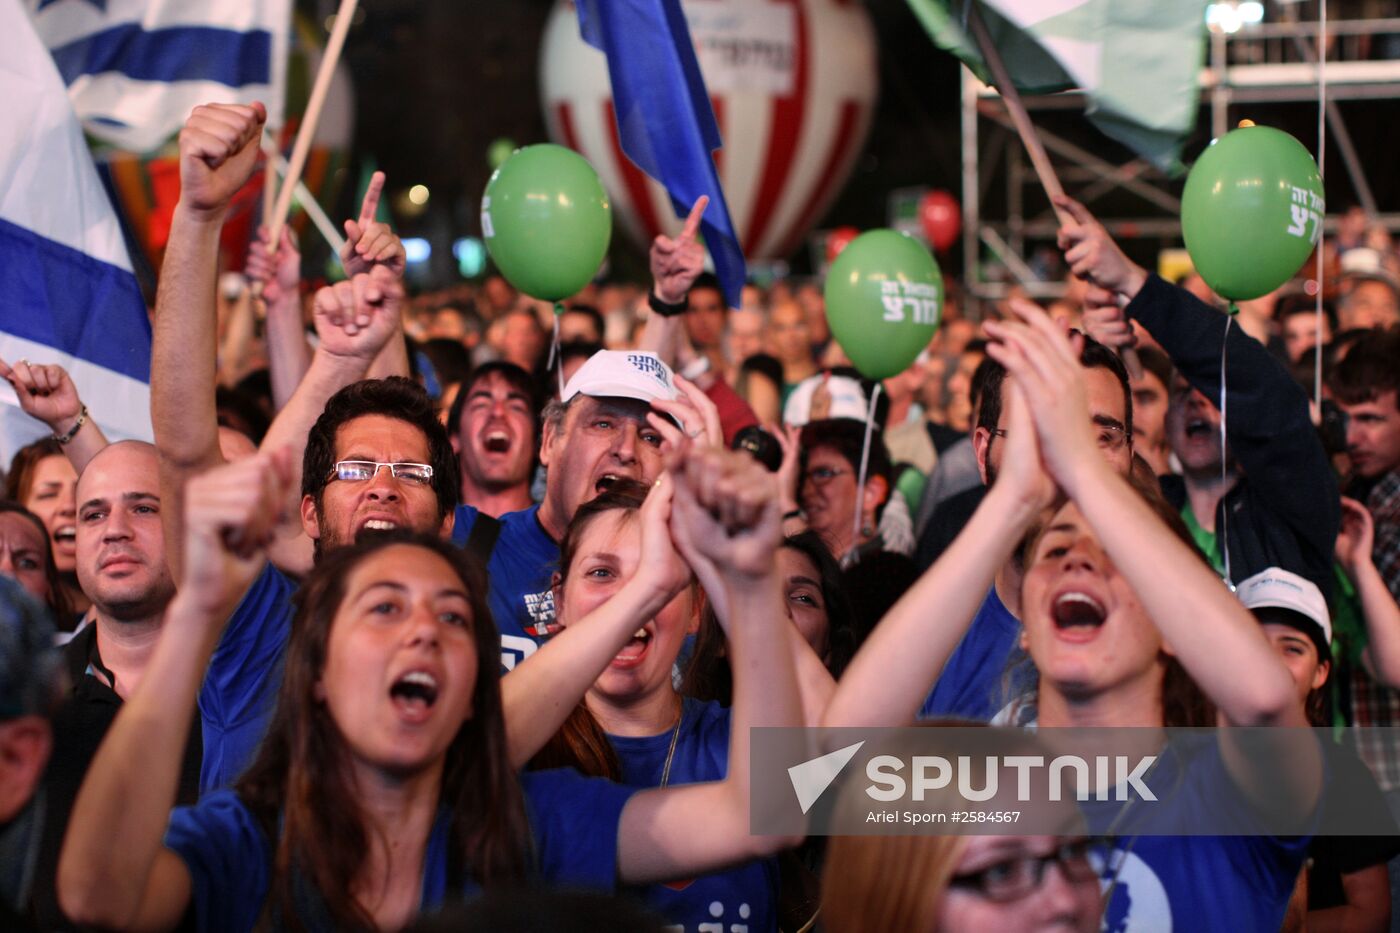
[
  {"x": 65, "y": 534},
  {"x": 605, "y": 482},
  {"x": 1199, "y": 427},
  {"x": 496, "y": 442},
  {"x": 1078, "y": 611},
  {"x": 416, "y": 691},
  {"x": 635, "y": 649},
  {"x": 378, "y": 524}
]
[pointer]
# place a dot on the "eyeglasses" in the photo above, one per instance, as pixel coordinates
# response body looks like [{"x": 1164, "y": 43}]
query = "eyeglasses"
[
  {"x": 1015, "y": 878},
  {"x": 1110, "y": 437},
  {"x": 359, "y": 471},
  {"x": 820, "y": 476}
]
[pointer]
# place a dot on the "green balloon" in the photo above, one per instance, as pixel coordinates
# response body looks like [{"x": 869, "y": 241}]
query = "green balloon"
[
  {"x": 546, "y": 221},
  {"x": 884, "y": 299},
  {"x": 1252, "y": 211}
]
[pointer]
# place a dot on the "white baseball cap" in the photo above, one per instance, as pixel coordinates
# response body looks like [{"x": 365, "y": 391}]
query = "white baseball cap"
[
  {"x": 1276, "y": 588},
  {"x": 622, "y": 374}
]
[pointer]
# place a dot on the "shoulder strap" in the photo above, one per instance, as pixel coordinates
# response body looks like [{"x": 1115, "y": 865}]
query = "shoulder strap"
[{"x": 481, "y": 541}]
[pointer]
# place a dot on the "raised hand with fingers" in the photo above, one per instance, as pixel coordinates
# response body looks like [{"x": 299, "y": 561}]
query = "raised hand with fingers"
[
  {"x": 789, "y": 472},
  {"x": 368, "y": 242},
  {"x": 677, "y": 262},
  {"x": 357, "y": 318},
  {"x": 1044, "y": 362},
  {"x": 276, "y": 271},
  {"x": 1093, "y": 256},
  {"x": 1105, "y": 321},
  {"x": 1357, "y": 537},
  {"x": 232, "y": 513},
  {"x": 219, "y": 148},
  {"x": 695, "y": 412},
  {"x": 45, "y": 392}
]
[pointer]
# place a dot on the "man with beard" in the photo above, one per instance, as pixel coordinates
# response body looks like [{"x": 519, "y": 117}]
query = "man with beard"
[{"x": 494, "y": 430}]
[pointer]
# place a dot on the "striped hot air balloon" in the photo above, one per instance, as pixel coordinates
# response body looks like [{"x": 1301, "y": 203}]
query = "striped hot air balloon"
[{"x": 793, "y": 84}]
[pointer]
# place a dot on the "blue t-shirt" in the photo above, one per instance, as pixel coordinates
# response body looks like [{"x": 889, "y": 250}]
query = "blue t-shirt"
[
  {"x": 573, "y": 822},
  {"x": 971, "y": 685},
  {"x": 240, "y": 687},
  {"x": 746, "y": 895},
  {"x": 1236, "y": 883},
  {"x": 520, "y": 571}
]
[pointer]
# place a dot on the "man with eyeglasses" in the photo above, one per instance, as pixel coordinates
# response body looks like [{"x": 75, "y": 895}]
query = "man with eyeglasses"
[
  {"x": 974, "y": 684},
  {"x": 1265, "y": 494}
]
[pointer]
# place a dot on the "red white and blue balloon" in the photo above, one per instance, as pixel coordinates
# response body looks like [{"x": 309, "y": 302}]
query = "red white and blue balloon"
[{"x": 793, "y": 84}]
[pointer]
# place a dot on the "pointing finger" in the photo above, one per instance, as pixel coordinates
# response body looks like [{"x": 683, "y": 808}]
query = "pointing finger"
[
  {"x": 692, "y": 223},
  {"x": 371, "y": 203}
]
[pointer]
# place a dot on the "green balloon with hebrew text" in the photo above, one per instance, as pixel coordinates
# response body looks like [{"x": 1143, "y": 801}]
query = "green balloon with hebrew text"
[
  {"x": 1252, "y": 211},
  {"x": 884, "y": 299}
]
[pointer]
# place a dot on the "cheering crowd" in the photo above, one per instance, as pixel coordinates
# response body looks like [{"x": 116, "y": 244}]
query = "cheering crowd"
[{"x": 412, "y": 615}]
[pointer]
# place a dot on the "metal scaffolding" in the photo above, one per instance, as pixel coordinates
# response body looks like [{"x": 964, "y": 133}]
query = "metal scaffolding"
[{"x": 1268, "y": 63}]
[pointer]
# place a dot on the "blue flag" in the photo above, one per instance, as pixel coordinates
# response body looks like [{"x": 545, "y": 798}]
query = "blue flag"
[{"x": 664, "y": 118}]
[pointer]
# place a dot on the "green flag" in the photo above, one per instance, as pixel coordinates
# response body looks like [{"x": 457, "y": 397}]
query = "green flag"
[{"x": 1137, "y": 61}]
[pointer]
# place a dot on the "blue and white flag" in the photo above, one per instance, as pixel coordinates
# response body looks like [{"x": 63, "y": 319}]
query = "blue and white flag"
[
  {"x": 136, "y": 68},
  {"x": 67, "y": 292},
  {"x": 664, "y": 118}
]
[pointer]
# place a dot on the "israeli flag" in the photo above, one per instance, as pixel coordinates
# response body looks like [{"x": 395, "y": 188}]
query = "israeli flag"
[
  {"x": 67, "y": 292},
  {"x": 136, "y": 68}
]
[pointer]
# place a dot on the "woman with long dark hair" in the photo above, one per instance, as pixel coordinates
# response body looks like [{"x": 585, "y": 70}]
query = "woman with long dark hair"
[
  {"x": 1112, "y": 602},
  {"x": 384, "y": 786}
]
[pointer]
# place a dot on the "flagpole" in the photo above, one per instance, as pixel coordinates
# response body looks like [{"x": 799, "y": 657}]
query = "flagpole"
[
  {"x": 311, "y": 117},
  {"x": 1029, "y": 138}
]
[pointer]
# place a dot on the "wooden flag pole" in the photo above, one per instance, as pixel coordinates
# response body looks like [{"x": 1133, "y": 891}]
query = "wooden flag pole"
[
  {"x": 312, "y": 116},
  {"x": 1029, "y": 138}
]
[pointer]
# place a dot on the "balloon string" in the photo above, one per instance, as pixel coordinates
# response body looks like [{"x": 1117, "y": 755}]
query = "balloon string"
[
  {"x": 554, "y": 354},
  {"x": 1321, "y": 172},
  {"x": 852, "y": 555},
  {"x": 1222, "y": 532}
]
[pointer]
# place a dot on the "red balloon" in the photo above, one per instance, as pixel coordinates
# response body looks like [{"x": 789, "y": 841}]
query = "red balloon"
[
  {"x": 941, "y": 219},
  {"x": 837, "y": 240}
]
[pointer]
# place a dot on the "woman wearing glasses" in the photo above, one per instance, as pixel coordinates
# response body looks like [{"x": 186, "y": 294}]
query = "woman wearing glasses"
[
  {"x": 1124, "y": 621},
  {"x": 874, "y": 551},
  {"x": 962, "y": 884}
]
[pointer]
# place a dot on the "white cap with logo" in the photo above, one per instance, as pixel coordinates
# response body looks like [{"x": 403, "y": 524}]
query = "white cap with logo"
[
  {"x": 1276, "y": 588},
  {"x": 622, "y": 374}
]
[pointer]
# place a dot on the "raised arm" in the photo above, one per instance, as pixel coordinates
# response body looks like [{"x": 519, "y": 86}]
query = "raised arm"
[
  {"x": 892, "y": 672},
  {"x": 1378, "y": 607},
  {"x": 370, "y": 243},
  {"x": 218, "y": 150},
  {"x": 1268, "y": 425},
  {"x": 279, "y": 271},
  {"x": 544, "y": 688},
  {"x": 1217, "y": 640},
  {"x": 46, "y": 393},
  {"x": 675, "y": 265},
  {"x": 131, "y": 785},
  {"x": 726, "y": 510}
]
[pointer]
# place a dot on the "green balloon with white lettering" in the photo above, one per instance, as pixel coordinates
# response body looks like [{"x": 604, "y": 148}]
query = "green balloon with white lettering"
[
  {"x": 884, "y": 299},
  {"x": 1252, "y": 211}
]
